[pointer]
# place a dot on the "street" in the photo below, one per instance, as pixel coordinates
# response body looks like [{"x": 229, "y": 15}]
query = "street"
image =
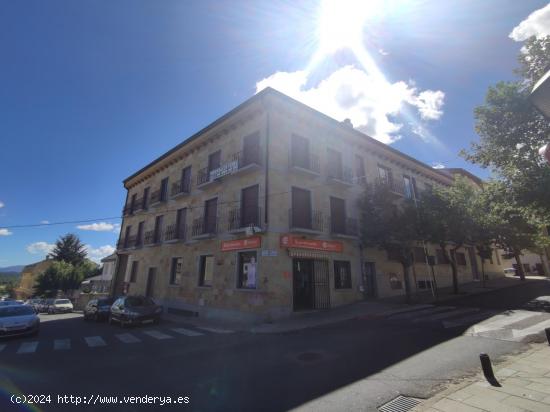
[{"x": 352, "y": 365}]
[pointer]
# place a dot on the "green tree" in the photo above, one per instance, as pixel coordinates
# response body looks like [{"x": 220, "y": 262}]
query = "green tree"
[
  {"x": 54, "y": 278},
  {"x": 69, "y": 249},
  {"x": 389, "y": 226},
  {"x": 511, "y": 131}
]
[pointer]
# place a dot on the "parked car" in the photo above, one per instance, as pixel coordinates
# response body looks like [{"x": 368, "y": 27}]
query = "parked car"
[
  {"x": 132, "y": 310},
  {"x": 511, "y": 271},
  {"x": 9, "y": 303},
  {"x": 42, "y": 306},
  {"x": 60, "y": 306},
  {"x": 18, "y": 320},
  {"x": 540, "y": 304},
  {"x": 98, "y": 309}
]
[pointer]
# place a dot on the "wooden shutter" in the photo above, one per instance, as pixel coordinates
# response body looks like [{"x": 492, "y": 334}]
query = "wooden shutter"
[
  {"x": 338, "y": 215},
  {"x": 249, "y": 206},
  {"x": 301, "y": 208}
]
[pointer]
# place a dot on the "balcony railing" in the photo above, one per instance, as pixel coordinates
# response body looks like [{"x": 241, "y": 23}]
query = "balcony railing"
[
  {"x": 311, "y": 222},
  {"x": 342, "y": 174},
  {"x": 175, "y": 232},
  {"x": 153, "y": 237},
  {"x": 138, "y": 242},
  {"x": 204, "y": 227},
  {"x": 246, "y": 158},
  {"x": 203, "y": 176},
  {"x": 394, "y": 186},
  {"x": 139, "y": 204},
  {"x": 243, "y": 217},
  {"x": 127, "y": 210},
  {"x": 157, "y": 197},
  {"x": 309, "y": 162},
  {"x": 182, "y": 187},
  {"x": 349, "y": 227}
]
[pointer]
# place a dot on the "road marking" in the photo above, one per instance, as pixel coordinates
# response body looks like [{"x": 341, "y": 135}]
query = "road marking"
[
  {"x": 216, "y": 330},
  {"x": 532, "y": 330},
  {"x": 187, "y": 332},
  {"x": 157, "y": 334},
  {"x": 94, "y": 341},
  {"x": 28, "y": 347},
  {"x": 127, "y": 338},
  {"x": 467, "y": 320},
  {"x": 445, "y": 315},
  {"x": 428, "y": 311},
  {"x": 393, "y": 312},
  {"x": 500, "y": 321},
  {"x": 62, "y": 344}
]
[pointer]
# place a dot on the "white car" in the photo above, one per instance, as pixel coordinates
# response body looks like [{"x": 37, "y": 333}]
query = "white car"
[
  {"x": 60, "y": 306},
  {"x": 18, "y": 320}
]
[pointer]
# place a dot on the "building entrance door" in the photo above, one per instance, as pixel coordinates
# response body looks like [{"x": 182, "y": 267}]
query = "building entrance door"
[
  {"x": 369, "y": 280},
  {"x": 304, "y": 295},
  {"x": 150, "y": 282}
]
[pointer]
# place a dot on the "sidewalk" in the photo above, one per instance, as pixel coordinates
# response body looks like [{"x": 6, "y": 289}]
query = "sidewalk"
[{"x": 524, "y": 380}]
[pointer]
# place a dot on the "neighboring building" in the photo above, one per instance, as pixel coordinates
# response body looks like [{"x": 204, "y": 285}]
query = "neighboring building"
[
  {"x": 256, "y": 216},
  {"x": 29, "y": 274},
  {"x": 101, "y": 283}
]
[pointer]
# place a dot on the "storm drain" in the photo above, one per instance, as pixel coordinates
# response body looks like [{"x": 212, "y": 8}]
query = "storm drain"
[{"x": 400, "y": 404}]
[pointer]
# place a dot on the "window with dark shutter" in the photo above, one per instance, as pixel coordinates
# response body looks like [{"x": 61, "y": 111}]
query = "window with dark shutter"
[
  {"x": 249, "y": 206},
  {"x": 210, "y": 215},
  {"x": 251, "y": 149},
  {"x": 301, "y": 208},
  {"x": 300, "y": 151},
  {"x": 214, "y": 160},
  {"x": 342, "y": 274},
  {"x": 338, "y": 215}
]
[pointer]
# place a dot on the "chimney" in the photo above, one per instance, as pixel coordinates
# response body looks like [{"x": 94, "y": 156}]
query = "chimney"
[{"x": 347, "y": 122}]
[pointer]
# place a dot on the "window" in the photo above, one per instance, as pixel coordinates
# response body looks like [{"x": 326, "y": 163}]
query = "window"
[
  {"x": 395, "y": 282},
  {"x": 145, "y": 198},
  {"x": 419, "y": 255},
  {"x": 249, "y": 207},
  {"x": 210, "y": 216},
  {"x": 251, "y": 150},
  {"x": 408, "y": 187},
  {"x": 127, "y": 236},
  {"x": 175, "y": 270},
  {"x": 134, "y": 271},
  {"x": 164, "y": 189},
  {"x": 158, "y": 229},
  {"x": 342, "y": 274},
  {"x": 416, "y": 194},
  {"x": 214, "y": 160},
  {"x": 360, "y": 170},
  {"x": 139, "y": 236},
  {"x": 441, "y": 259},
  {"x": 247, "y": 276},
  {"x": 337, "y": 215},
  {"x": 301, "y": 208},
  {"x": 334, "y": 160},
  {"x": 460, "y": 259},
  {"x": 181, "y": 217},
  {"x": 186, "y": 180},
  {"x": 206, "y": 270},
  {"x": 424, "y": 284},
  {"x": 133, "y": 202},
  {"x": 385, "y": 175},
  {"x": 300, "y": 151}
]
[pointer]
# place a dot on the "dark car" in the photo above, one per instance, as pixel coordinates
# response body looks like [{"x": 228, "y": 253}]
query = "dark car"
[
  {"x": 540, "y": 304},
  {"x": 98, "y": 309},
  {"x": 133, "y": 310}
]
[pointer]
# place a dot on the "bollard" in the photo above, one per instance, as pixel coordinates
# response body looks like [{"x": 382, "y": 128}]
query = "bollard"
[
  {"x": 488, "y": 369},
  {"x": 547, "y": 330}
]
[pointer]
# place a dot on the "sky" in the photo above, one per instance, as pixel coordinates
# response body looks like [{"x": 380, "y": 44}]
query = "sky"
[{"x": 90, "y": 92}]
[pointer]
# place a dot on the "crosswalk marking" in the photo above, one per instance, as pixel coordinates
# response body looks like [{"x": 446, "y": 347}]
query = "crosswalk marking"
[
  {"x": 428, "y": 311},
  {"x": 127, "y": 338},
  {"x": 445, "y": 315},
  {"x": 531, "y": 330},
  {"x": 215, "y": 330},
  {"x": 27, "y": 347},
  {"x": 62, "y": 344},
  {"x": 157, "y": 334},
  {"x": 393, "y": 312},
  {"x": 94, "y": 341},
  {"x": 467, "y": 320},
  {"x": 187, "y": 332},
  {"x": 500, "y": 321}
]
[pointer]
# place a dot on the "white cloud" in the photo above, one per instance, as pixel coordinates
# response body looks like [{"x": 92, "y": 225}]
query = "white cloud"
[
  {"x": 2, "y": 204},
  {"x": 96, "y": 254},
  {"x": 40, "y": 248},
  {"x": 44, "y": 222},
  {"x": 536, "y": 24},
  {"x": 5, "y": 232},
  {"x": 369, "y": 101},
  {"x": 101, "y": 227},
  {"x": 383, "y": 52},
  {"x": 438, "y": 165}
]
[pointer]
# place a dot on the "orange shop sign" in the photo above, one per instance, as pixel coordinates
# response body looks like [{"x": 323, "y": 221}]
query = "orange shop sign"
[
  {"x": 247, "y": 243},
  {"x": 301, "y": 243}
]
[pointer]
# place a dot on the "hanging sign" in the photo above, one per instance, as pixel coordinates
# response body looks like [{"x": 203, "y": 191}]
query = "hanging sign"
[{"x": 314, "y": 244}]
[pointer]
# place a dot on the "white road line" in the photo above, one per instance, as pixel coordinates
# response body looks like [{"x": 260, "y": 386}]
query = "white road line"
[
  {"x": 428, "y": 311},
  {"x": 531, "y": 330},
  {"x": 187, "y": 332},
  {"x": 216, "y": 330},
  {"x": 61, "y": 344},
  {"x": 94, "y": 341},
  {"x": 127, "y": 338},
  {"x": 445, "y": 315},
  {"x": 500, "y": 321},
  {"x": 413, "y": 308},
  {"x": 157, "y": 334},
  {"x": 467, "y": 320},
  {"x": 28, "y": 347}
]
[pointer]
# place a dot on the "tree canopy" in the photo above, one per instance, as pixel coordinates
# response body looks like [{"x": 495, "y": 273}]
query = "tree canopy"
[{"x": 69, "y": 249}]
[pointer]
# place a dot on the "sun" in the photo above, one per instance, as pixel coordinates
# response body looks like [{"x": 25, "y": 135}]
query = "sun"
[{"x": 341, "y": 23}]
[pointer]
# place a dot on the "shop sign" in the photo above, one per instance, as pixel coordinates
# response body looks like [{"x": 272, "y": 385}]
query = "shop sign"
[
  {"x": 247, "y": 243},
  {"x": 291, "y": 241}
]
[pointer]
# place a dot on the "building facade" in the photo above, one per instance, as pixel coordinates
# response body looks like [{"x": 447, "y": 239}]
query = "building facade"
[
  {"x": 29, "y": 276},
  {"x": 256, "y": 216}
]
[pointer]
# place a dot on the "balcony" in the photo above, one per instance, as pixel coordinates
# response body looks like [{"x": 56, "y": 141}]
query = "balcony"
[
  {"x": 313, "y": 223},
  {"x": 153, "y": 237},
  {"x": 347, "y": 228},
  {"x": 173, "y": 233},
  {"x": 205, "y": 178},
  {"x": 181, "y": 188},
  {"x": 241, "y": 218},
  {"x": 138, "y": 205},
  {"x": 305, "y": 163},
  {"x": 138, "y": 242},
  {"x": 203, "y": 228},
  {"x": 157, "y": 198},
  {"x": 127, "y": 242},
  {"x": 246, "y": 162},
  {"x": 342, "y": 176},
  {"x": 127, "y": 210},
  {"x": 395, "y": 187}
]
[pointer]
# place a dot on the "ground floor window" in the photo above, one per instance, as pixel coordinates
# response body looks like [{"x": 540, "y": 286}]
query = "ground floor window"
[
  {"x": 175, "y": 270},
  {"x": 424, "y": 284},
  {"x": 248, "y": 265},
  {"x": 460, "y": 259},
  {"x": 342, "y": 274},
  {"x": 133, "y": 271},
  {"x": 395, "y": 282},
  {"x": 206, "y": 270}
]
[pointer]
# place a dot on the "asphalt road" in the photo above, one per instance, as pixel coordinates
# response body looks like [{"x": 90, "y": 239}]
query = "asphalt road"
[{"x": 352, "y": 365}]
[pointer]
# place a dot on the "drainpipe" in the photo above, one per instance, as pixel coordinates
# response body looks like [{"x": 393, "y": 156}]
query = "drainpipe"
[{"x": 266, "y": 183}]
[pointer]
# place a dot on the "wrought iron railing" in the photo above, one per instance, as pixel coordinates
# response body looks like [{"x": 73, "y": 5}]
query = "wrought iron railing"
[
  {"x": 181, "y": 187},
  {"x": 310, "y": 221},
  {"x": 343, "y": 174},
  {"x": 348, "y": 227},
  {"x": 243, "y": 217},
  {"x": 308, "y": 161},
  {"x": 175, "y": 232},
  {"x": 204, "y": 226}
]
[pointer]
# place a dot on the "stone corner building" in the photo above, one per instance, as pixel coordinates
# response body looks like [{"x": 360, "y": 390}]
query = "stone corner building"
[{"x": 255, "y": 217}]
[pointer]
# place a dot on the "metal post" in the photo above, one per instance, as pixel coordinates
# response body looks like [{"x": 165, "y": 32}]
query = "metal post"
[{"x": 488, "y": 369}]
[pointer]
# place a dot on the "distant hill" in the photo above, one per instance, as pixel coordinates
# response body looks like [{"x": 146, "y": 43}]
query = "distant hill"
[
  {"x": 9, "y": 269},
  {"x": 9, "y": 277}
]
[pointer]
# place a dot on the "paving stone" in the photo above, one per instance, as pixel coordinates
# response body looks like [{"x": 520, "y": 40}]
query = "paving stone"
[
  {"x": 485, "y": 390},
  {"x": 526, "y": 404},
  {"x": 520, "y": 392},
  {"x": 460, "y": 395},
  {"x": 505, "y": 372},
  {"x": 449, "y": 405},
  {"x": 489, "y": 404},
  {"x": 540, "y": 387},
  {"x": 517, "y": 382}
]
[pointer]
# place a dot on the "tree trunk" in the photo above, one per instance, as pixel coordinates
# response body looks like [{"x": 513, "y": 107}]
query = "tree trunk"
[
  {"x": 454, "y": 271},
  {"x": 407, "y": 282},
  {"x": 517, "y": 255},
  {"x": 483, "y": 272}
]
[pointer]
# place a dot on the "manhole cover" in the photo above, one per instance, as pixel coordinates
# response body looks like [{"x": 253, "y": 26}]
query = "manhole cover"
[
  {"x": 309, "y": 356},
  {"x": 400, "y": 404}
]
